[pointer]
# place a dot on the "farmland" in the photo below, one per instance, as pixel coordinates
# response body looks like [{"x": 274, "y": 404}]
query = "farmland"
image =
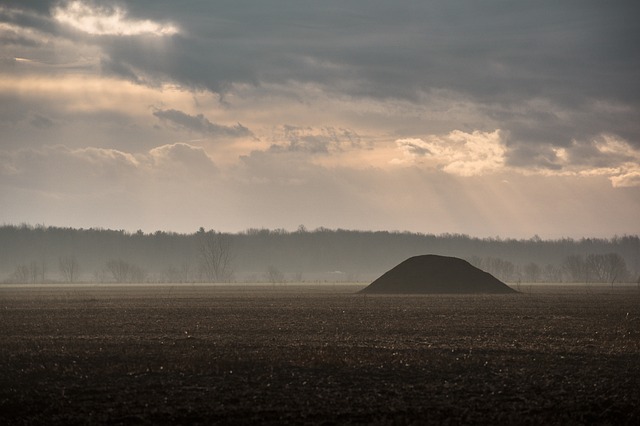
[{"x": 317, "y": 354}]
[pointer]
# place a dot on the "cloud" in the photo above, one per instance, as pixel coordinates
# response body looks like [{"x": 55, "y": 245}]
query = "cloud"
[
  {"x": 458, "y": 153},
  {"x": 119, "y": 189},
  {"x": 627, "y": 180},
  {"x": 107, "y": 20},
  {"x": 606, "y": 155},
  {"x": 101, "y": 159},
  {"x": 540, "y": 80},
  {"x": 58, "y": 170},
  {"x": 543, "y": 87},
  {"x": 199, "y": 123},
  {"x": 358, "y": 104},
  {"x": 311, "y": 140},
  {"x": 182, "y": 159},
  {"x": 480, "y": 153},
  {"x": 14, "y": 35},
  {"x": 61, "y": 169}
]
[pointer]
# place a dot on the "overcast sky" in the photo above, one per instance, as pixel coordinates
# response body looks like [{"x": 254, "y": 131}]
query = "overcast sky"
[{"x": 490, "y": 118}]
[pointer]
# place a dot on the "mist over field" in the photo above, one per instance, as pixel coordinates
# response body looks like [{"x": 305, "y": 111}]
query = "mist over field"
[{"x": 48, "y": 254}]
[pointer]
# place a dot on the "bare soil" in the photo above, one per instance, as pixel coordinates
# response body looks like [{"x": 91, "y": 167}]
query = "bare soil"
[{"x": 317, "y": 355}]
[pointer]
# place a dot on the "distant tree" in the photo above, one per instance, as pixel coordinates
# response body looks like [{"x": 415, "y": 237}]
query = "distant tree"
[
  {"x": 532, "y": 272},
  {"x": 136, "y": 274},
  {"x": 21, "y": 274},
  {"x": 185, "y": 272},
  {"x": 34, "y": 272},
  {"x": 617, "y": 268},
  {"x": 181, "y": 274},
  {"x": 607, "y": 268},
  {"x": 309, "y": 251},
  {"x": 216, "y": 256},
  {"x": 274, "y": 275},
  {"x": 170, "y": 275},
  {"x": 100, "y": 275},
  {"x": 37, "y": 272},
  {"x": 501, "y": 269},
  {"x": 119, "y": 270},
  {"x": 575, "y": 268},
  {"x": 552, "y": 273},
  {"x": 124, "y": 272},
  {"x": 69, "y": 268}
]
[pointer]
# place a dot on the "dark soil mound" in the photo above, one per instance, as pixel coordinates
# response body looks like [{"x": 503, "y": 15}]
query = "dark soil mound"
[{"x": 436, "y": 274}]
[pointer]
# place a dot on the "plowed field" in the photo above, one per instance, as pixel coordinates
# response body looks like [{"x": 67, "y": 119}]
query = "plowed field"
[{"x": 317, "y": 355}]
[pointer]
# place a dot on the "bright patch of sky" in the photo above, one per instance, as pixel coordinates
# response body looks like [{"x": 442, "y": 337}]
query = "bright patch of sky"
[{"x": 107, "y": 20}]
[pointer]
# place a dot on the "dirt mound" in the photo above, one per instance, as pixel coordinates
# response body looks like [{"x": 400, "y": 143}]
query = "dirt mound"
[{"x": 436, "y": 274}]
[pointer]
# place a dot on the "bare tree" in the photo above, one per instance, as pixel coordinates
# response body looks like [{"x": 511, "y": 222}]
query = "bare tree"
[
  {"x": 36, "y": 272},
  {"x": 607, "y": 268},
  {"x": 136, "y": 274},
  {"x": 21, "y": 274},
  {"x": 216, "y": 256},
  {"x": 552, "y": 273},
  {"x": 617, "y": 268},
  {"x": 502, "y": 269},
  {"x": 532, "y": 272},
  {"x": 119, "y": 270},
  {"x": 185, "y": 271},
  {"x": 32, "y": 273},
  {"x": 274, "y": 275},
  {"x": 69, "y": 268},
  {"x": 123, "y": 271},
  {"x": 575, "y": 268}
]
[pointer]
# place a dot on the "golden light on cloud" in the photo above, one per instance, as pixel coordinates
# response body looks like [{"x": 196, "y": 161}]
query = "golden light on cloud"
[
  {"x": 627, "y": 174},
  {"x": 96, "y": 20},
  {"x": 626, "y": 180},
  {"x": 616, "y": 159},
  {"x": 458, "y": 153},
  {"x": 482, "y": 153}
]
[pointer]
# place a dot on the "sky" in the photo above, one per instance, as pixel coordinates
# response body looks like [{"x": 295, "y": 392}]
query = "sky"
[{"x": 491, "y": 118}]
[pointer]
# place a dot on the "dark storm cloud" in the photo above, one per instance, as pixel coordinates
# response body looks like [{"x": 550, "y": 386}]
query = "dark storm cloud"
[
  {"x": 494, "y": 50},
  {"x": 199, "y": 123},
  {"x": 31, "y": 14}
]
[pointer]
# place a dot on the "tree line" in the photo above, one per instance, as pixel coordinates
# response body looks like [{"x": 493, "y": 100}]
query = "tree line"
[
  {"x": 594, "y": 268},
  {"x": 53, "y": 254}
]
